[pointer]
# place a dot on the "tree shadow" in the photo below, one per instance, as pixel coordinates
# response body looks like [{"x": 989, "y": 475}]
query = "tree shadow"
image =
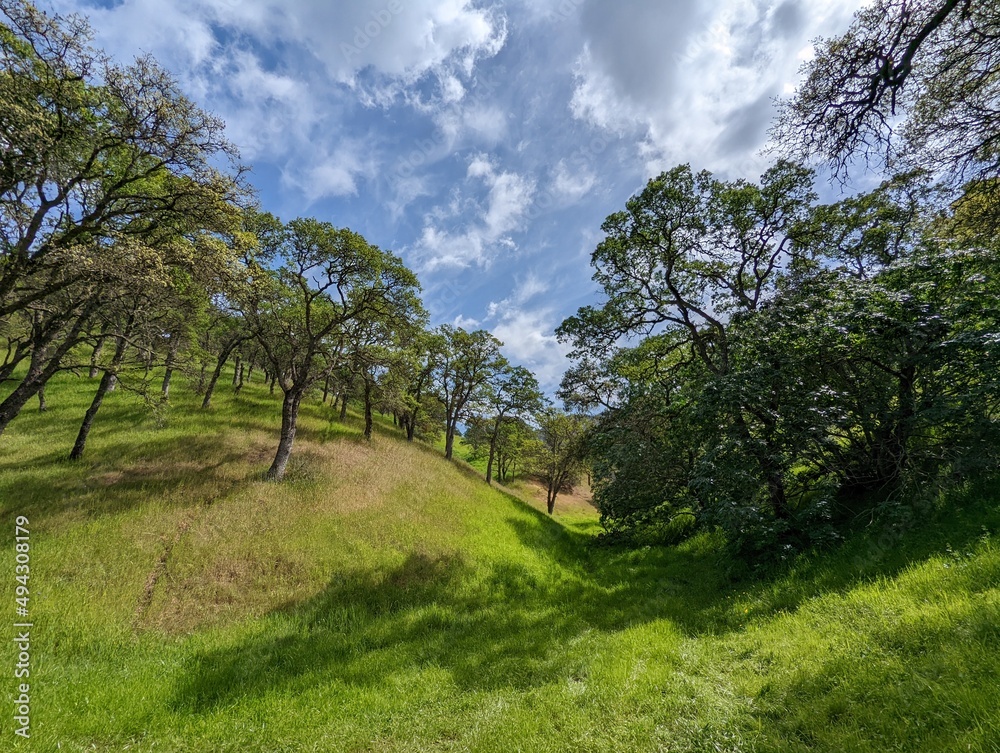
[
  {"x": 702, "y": 591},
  {"x": 505, "y": 625},
  {"x": 189, "y": 471},
  {"x": 490, "y": 628}
]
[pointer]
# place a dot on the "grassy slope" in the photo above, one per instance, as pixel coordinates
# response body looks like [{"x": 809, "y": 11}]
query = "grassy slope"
[{"x": 384, "y": 600}]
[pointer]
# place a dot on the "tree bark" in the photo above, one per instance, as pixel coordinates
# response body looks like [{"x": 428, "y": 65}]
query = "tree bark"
[
  {"x": 40, "y": 370},
  {"x": 223, "y": 357},
  {"x": 493, "y": 449},
  {"x": 95, "y": 357},
  {"x": 236, "y": 369},
  {"x": 42, "y": 405},
  {"x": 110, "y": 375},
  {"x": 239, "y": 383},
  {"x": 368, "y": 410},
  {"x": 201, "y": 379},
  {"x": 289, "y": 418},
  {"x": 169, "y": 373},
  {"x": 343, "y": 407},
  {"x": 449, "y": 442}
]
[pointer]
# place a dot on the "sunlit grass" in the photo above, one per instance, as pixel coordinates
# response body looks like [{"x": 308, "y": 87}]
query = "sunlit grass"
[{"x": 385, "y": 600}]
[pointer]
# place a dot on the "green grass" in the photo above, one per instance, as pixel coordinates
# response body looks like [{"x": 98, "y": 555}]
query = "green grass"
[{"x": 385, "y": 600}]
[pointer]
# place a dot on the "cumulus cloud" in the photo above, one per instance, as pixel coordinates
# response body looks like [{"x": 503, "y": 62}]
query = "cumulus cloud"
[
  {"x": 695, "y": 81},
  {"x": 472, "y": 132},
  {"x": 477, "y": 242},
  {"x": 527, "y": 329},
  {"x": 529, "y": 339},
  {"x": 465, "y": 322},
  {"x": 283, "y": 74}
]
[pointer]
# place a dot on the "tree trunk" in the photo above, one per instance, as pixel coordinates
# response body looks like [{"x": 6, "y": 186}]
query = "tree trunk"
[
  {"x": 368, "y": 410},
  {"x": 449, "y": 442},
  {"x": 40, "y": 371},
  {"x": 239, "y": 383},
  {"x": 223, "y": 357},
  {"x": 107, "y": 381},
  {"x": 493, "y": 450},
  {"x": 326, "y": 390},
  {"x": 274, "y": 378},
  {"x": 42, "y": 405},
  {"x": 169, "y": 373},
  {"x": 95, "y": 357},
  {"x": 550, "y": 499},
  {"x": 201, "y": 379},
  {"x": 898, "y": 455},
  {"x": 343, "y": 407},
  {"x": 289, "y": 417},
  {"x": 236, "y": 369},
  {"x": 13, "y": 359}
]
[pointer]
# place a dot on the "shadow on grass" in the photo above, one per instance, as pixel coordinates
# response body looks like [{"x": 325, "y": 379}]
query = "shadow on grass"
[
  {"x": 503, "y": 625},
  {"x": 50, "y": 484},
  {"x": 490, "y": 625},
  {"x": 490, "y": 628},
  {"x": 702, "y": 592}
]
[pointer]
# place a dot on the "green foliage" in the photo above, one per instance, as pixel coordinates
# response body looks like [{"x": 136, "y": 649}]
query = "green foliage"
[
  {"x": 796, "y": 368},
  {"x": 335, "y": 302},
  {"x": 558, "y": 454},
  {"x": 463, "y": 365},
  {"x": 384, "y": 599}
]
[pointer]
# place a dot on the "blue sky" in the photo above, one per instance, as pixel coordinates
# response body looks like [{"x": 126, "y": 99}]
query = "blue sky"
[{"x": 484, "y": 142}]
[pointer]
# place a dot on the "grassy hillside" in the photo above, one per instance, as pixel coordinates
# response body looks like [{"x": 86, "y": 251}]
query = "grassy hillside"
[{"x": 385, "y": 600}]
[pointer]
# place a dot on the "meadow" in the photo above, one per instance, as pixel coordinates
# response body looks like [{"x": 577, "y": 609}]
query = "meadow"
[{"x": 383, "y": 599}]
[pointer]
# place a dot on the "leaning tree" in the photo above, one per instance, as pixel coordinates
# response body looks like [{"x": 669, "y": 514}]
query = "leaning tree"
[{"x": 301, "y": 312}]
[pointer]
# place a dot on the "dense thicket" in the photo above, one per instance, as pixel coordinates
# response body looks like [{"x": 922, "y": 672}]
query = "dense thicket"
[{"x": 791, "y": 364}]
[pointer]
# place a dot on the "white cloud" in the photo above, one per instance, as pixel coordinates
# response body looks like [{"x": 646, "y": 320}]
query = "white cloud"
[
  {"x": 335, "y": 174},
  {"x": 233, "y": 57},
  {"x": 695, "y": 82},
  {"x": 527, "y": 333},
  {"x": 452, "y": 89},
  {"x": 405, "y": 191},
  {"x": 509, "y": 199},
  {"x": 480, "y": 240},
  {"x": 529, "y": 339},
  {"x": 465, "y": 322},
  {"x": 480, "y": 166},
  {"x": 570, "y": 186},
  {"x": 402, "y": 39},
  {"x": 529, "y": 287}
]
